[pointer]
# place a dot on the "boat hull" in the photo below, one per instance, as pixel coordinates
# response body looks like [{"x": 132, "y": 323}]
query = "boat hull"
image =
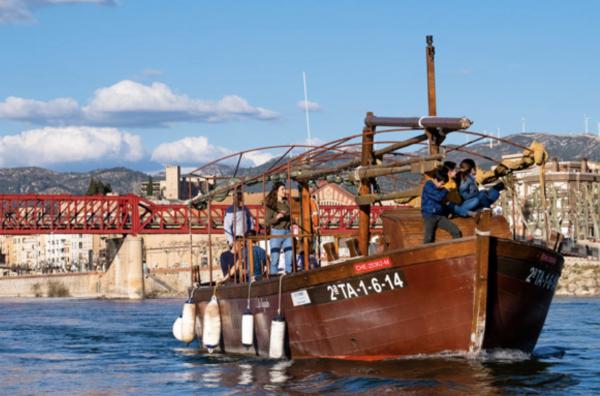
[
  {"x": 522, "y": 282},
  {"x": 421, "y": 300}
]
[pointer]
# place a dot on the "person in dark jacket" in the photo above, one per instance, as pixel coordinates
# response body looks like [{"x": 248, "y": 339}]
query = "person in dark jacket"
[
  {"x": 433, "y": 208},
  {"x": 473, "y": 197}
]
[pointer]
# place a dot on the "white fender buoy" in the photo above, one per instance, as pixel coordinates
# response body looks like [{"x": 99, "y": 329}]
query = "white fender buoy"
[
  {"x": 277, "y": 337},
  {"x": 247, "y": 329},
  {"x": 177, "y": 329},
  {"x": 188, "y": 319},
  {"x": 211, "y": 329}
]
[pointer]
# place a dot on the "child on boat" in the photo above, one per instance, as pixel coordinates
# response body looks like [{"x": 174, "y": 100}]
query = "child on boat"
[
  {"x": 433, "y": 208},
  {"x": 458, "y": 206},
  {"x": 469, "y": 191}
]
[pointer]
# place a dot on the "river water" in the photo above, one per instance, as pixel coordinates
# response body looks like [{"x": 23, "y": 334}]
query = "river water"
[{"x": 100, "y": 347}]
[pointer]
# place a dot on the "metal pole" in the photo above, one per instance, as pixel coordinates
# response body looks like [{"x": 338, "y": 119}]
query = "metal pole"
[{"x": 306, "y": 110}]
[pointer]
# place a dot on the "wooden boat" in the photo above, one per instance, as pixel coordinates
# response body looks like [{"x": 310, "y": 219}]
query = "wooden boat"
[{"x": 461, "y": 296}]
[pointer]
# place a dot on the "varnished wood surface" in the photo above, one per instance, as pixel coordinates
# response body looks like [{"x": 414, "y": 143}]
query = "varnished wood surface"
[
  {"x": 403, "y": 228},
  {"x": 342, "y": 270},
  {"x": 452, "y": 288},
  {"x": 517, "y": 309},
  {"x": 431, "y": 314}
]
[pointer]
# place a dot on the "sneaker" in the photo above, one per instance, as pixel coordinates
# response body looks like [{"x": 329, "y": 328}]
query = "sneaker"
[
  {"x": 280, "y": 272},
  {"x": 472, "y": 214},
  {"x": 499, "y": 186}
]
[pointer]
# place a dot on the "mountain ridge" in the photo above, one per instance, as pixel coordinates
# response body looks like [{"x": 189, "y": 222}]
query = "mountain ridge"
[{"x": 38, "y": 180}]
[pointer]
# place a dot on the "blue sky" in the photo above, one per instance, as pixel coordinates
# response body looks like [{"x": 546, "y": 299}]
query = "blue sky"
[{"x": 141, "y": 83}]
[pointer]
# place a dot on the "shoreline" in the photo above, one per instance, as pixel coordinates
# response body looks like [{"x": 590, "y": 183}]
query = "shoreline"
[{"x": 580, "y": 278}]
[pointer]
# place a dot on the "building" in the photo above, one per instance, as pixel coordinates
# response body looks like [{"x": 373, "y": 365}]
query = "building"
[
  {"x": 568, "y": 204},
  {"x": 25, "y": 251},
  {"x": 174, "y": 187}
]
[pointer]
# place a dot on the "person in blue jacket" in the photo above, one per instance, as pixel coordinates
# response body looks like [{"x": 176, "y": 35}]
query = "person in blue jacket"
[
  {"x": 472, "y": 197},
  {"x": 433, "y": 208}
]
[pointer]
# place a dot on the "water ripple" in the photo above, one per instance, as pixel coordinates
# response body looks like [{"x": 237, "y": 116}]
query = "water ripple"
[{"x": 101, "y": 347}]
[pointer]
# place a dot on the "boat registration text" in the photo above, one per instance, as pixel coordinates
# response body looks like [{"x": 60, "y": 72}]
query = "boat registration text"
[
  {"x": 355, "y": 287},
  {"x": 364, "y": 287}
]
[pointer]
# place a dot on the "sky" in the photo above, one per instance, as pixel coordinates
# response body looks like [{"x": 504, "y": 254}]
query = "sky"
[{"x": 88, "y": 84}]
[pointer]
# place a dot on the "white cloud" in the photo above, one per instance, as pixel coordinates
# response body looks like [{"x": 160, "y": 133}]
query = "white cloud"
[
  {"x": 188, "y": 150},
  {"x": 258, "y": 157},
  {"x": 149, "y": 72},
  {"x": 197, "y": 150},
  {"x": 314, "y": 141},
  {"x": 52, "y": 111},
  {"x": 130, "y": 103},
  {"x": 44, "y": 146},
  {"x": 21, "y": 10},
  {"x": 308, "y": 105}
]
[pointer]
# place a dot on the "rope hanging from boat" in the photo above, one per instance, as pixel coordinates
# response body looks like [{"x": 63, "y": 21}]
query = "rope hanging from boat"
[
  {"x": 279, "y": 297},
  {"x": 249, "y": 288},
  {"x": 191, "y": 247}
]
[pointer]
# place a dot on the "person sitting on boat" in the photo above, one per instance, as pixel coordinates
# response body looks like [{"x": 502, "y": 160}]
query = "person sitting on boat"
[
  {"x": 259, "y": 256},
  {"x": 238, "y": 220},
  {"x": 433, "y": 208},
  {"x": 227, "y": 260},
  {"x": 469, "y": 190},
  {"x": 312, "y": 260},
  {"x": 458, "y": 206},
  {"x": 279, "y": 219},
  {"x": 235, "y": 260}
]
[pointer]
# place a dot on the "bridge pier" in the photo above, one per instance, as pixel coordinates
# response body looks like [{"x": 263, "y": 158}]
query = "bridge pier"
[
  {"x": 134, "y": 267},
  {"x": 125, "y": 277}
]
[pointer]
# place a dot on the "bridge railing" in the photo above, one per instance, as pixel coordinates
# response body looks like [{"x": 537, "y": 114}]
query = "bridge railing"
[{"x": 24, "y": 214}]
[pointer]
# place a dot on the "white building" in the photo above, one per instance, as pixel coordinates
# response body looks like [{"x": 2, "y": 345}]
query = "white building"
[
  {"x": 81, "y": 246},
  {"x": 57, "y": 250},
  {"x": 27, "y": 251}
]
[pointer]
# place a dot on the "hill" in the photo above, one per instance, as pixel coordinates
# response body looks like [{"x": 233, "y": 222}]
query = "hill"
[
  {"x": 563, "y": 147},
  {"x": 35, "y": 180}
]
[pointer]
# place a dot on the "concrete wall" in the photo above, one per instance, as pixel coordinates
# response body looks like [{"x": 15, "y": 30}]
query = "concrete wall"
[
  {"x": 124, "y": 279},
  {"x": 173, "y": 282},
  {"x": 580, "y": 277},
  {"x": 75, "y": 285}
]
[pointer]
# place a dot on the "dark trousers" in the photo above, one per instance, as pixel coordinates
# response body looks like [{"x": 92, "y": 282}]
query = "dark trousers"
[{"x": 432, "y": 222}]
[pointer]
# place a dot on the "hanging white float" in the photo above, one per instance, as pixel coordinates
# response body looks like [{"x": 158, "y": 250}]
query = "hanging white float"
[
  {"x": 211, "y": 329},
  {"x": 248, "y": 322},
  {"x": 276, "y": 341},
  {"x": 277, "y": 337},
  {"x": 177, "y": 329},
  {"x": 247, "y": 329},
  {"x": 188, "y": 325}
]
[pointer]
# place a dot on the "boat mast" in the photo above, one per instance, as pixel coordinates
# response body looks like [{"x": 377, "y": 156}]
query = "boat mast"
[
  {"x": 433, "y": 135},
  {"x": 367, "y": 157}
]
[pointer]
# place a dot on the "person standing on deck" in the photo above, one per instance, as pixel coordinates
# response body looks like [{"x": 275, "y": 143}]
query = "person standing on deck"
[
  {"x": 238, "y": 220},
  {"x": 433, "y": 208},
  {"x": 278, "y": 219}
]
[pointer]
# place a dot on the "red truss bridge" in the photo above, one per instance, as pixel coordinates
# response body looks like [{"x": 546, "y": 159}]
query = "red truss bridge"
[{"x": 26, "y": 214}]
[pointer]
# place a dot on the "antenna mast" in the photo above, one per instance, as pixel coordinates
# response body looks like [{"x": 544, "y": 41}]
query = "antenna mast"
[{"x": 306, "y": 109}]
